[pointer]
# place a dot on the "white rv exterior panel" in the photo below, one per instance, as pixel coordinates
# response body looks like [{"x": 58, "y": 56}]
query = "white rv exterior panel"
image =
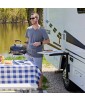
[{"x": 71, "y": 25}]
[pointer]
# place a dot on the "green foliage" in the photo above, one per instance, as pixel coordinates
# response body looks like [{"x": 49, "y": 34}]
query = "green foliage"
[
  {"x": 45, "y": 80},
  {"x": 45, "y": 83},
  {"x": 45, "y": 62},
  {"x": 12, "y": 15},
  {"x": 15, "y": 15},
  {"x": 40, "y": 12},
  {"x": 29, "y": 11},
  {"x": 15, "y": 58}
]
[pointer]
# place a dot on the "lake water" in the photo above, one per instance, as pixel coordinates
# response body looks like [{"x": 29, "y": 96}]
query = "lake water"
[{"x": 9, "y": 33}]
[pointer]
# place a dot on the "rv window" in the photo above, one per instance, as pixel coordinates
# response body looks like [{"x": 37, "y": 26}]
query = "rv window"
[{"x": 81, "y": 10}]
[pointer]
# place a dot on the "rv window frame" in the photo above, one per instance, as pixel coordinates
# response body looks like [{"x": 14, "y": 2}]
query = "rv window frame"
[{"x": 80, "y": 10}]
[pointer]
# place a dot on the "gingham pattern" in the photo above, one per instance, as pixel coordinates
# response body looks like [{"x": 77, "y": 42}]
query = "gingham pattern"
[{"x": 22, "y": 73}]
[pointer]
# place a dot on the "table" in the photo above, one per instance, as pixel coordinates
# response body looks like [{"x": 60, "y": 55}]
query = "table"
[{"x": 21, "y": 75}]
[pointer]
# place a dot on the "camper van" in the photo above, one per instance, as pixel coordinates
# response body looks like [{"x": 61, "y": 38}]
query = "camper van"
[{"x": 66, "y": 50}]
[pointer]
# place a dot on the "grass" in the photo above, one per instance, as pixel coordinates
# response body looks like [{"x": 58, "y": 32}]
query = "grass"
[
  {"x": 45, "y": 83},
  {"x": 15, "y": 58},
  {"x": 45, "y": 62},
  {"x": 45, "y": 80}
]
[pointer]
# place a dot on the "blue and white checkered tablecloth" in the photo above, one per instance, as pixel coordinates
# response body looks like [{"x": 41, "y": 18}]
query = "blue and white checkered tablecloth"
[{"x": 19, "y": 73}]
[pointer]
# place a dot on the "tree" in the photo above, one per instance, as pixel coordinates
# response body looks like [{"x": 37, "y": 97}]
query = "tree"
[
  {"x": 29, "y": 11},
  {"x": 12, "y": 15},
  {"x": 40, "y": 12},
  {"x": 22, "y": 15},
  {"x": 15, "y": 15},
  {"x": 4, "y": 14}
]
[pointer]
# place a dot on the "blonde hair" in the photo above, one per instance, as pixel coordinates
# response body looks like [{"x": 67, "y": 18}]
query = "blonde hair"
[{"x": 36, "y": 15}]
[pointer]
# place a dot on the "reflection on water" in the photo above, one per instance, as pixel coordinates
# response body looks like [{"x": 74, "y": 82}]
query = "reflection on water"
[{"x": 9, "y": 33}]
